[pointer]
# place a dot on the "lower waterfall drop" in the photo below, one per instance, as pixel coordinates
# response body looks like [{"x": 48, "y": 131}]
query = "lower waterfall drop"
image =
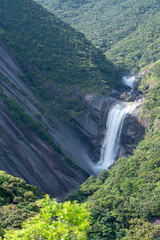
[{"x": 111, "y": 142}]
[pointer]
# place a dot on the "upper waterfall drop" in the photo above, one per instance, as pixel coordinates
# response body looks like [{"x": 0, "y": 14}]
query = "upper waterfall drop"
[{"x": 129, "y": 81}]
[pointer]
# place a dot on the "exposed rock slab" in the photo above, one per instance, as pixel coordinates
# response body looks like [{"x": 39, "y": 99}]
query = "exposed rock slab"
[{"x": 22, "y": 153}]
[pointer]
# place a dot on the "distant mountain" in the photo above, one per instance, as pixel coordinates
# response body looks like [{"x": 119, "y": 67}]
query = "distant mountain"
[{"x": 128, "y": 31}]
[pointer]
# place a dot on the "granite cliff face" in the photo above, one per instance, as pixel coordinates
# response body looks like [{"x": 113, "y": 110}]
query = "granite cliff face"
[{"x": 22, "y": 152}]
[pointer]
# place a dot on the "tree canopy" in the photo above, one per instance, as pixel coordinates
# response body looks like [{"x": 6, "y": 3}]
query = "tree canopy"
[
  {"x": 66, "y": 221},
  {"x": 127, "y": 31}
]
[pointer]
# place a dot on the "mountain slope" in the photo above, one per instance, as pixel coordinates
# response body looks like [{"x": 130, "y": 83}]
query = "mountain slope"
[
  {"x": 46, "y": 67},
  {"x": 52, "y": 54},
  {"x": 123, "y": 29}
]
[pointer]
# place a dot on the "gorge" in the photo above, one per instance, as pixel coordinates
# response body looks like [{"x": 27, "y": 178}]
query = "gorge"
[{"x": 86, "y": 143}]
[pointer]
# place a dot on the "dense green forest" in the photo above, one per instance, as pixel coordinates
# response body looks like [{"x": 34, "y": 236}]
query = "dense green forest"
[
  {"x": 57, "y": 61},
  {"x": 127, "y": 31},
  {"x": 125, "y": 199}
]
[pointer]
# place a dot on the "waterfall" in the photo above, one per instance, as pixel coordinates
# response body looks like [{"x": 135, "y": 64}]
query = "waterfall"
[
  {"x": 114, "y": 124},
  {"x": 130, "y": 81},
  {"x": 112, "y": 140}
]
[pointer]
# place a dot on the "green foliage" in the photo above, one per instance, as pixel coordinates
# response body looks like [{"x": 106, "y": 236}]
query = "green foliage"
[
  {"x": 129, "y": 190},
  {"x": 11, "y": 188},
  {"x": 123, "y": 199},
  {"x": 55, "y": 221},
  {"x": 128, "y": 31},
  {"x": 141, "y": 46},
  {"x": 140, "y": 230},
  {"x": 150, "y": 78},
  {"x": 151, "y": 108},
  {"x": 17, "y": 201}
]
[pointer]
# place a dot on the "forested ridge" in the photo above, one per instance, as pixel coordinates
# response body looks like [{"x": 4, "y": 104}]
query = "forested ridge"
[
  {"x": 127, "y": 31},
  {"x": 47, "y": 219}
]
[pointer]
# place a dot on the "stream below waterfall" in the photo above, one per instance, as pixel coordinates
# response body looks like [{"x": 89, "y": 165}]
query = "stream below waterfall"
[{"x": 114, "y": 124}]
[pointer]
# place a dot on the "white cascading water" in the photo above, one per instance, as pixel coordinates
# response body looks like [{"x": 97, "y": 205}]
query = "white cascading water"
[
  {"x": 111, "y": 142},
  {"x": 114, "y": 125},
  {"x": 130, "y": 81}
]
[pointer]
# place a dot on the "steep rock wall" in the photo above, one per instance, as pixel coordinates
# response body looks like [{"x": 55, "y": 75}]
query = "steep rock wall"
[{"x": 24, "y": 154}]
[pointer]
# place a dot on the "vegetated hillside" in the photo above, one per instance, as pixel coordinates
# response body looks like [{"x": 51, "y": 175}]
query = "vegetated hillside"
[
  {"x": 128, "y": 31},
  {"x": 20, "y": 201},
  {"x": 125, "y": 200},
  {"x": 54, "y": 221},
  {"x": 54, "y": 57}
]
